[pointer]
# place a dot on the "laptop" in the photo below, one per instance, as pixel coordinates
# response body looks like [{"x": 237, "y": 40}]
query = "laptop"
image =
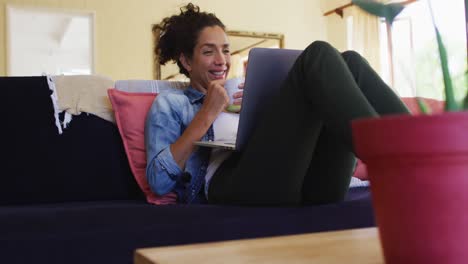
[{"x": 267, "y": 69}]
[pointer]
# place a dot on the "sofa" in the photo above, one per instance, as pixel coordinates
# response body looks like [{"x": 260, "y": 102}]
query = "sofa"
[{"x": 72, "y": 197}]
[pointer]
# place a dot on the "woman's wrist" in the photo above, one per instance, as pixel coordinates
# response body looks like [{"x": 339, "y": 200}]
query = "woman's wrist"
[{"x": 208, "y": 115}]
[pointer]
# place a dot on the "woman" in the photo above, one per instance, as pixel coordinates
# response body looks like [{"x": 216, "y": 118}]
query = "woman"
[{"x": 313, "y": 158}]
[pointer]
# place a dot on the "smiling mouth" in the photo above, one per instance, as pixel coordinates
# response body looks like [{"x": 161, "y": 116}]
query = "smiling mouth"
[{"x": 218, "y": 74}]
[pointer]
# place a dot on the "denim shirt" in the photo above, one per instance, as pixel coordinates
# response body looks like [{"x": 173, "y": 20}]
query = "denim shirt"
[{"x": 170, "y": 114}]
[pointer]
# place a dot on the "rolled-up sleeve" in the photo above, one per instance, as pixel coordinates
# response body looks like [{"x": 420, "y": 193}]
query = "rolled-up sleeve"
[{"x": 162, "y": 128}]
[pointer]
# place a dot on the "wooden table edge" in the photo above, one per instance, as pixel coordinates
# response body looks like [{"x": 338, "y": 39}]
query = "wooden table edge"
[{"x": 143, "y": 255}]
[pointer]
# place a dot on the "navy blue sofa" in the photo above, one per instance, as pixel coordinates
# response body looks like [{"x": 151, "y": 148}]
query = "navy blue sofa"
[{"x": 71, "y": 198}]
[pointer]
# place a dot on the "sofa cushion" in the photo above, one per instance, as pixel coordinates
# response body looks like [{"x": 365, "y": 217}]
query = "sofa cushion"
[
  {"x": 149, "y": 86},
  {"x": 87, "y": 162},
  {"x": 436, "y": 106},
  {"x": 130, "y": 110}
]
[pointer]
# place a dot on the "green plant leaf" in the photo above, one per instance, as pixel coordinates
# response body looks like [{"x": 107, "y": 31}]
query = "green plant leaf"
[
  {"x": 425, "y": 109},
  {"x": 465, "y": 102},
  {"x": 450, "y": 102},
  {"x": 387, "y": 11}
]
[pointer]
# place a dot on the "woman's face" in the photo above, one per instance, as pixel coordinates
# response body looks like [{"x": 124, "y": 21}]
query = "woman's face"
[{"x": 211, "y": 58}]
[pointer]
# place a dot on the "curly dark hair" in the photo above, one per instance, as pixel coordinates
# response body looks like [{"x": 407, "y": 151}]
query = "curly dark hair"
[{"x": 178, "y": 34}]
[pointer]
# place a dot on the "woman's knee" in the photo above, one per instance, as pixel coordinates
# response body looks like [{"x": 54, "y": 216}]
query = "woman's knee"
[
  {"x": 351, "y": 56},
  {"x": 318, "y": 46},
  {"x": 316, "y": 52}
]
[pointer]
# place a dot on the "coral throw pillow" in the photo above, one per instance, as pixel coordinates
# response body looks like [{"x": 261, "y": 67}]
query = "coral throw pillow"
[
  {"x": 130, "y": 111},
  {"x": 436, "y": 106}
]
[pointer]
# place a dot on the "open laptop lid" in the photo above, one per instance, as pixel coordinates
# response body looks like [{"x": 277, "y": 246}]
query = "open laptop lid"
[{"x": 266, "y": 71}]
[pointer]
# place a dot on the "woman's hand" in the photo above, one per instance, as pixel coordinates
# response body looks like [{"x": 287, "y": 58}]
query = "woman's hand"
[{"x": 216, "y": 98}]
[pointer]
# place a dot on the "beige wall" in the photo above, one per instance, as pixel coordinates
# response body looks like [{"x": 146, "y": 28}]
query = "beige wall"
[
  {"x": 123, "y": 27},
  {"x": 332, "y": 4},
  {"x": 335, "y": 25}
]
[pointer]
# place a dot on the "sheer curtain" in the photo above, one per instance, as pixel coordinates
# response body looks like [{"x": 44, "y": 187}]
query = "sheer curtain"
[{"x": 363, "y": 35}]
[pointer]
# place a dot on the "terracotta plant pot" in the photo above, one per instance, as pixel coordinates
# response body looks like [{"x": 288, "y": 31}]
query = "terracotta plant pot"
[{"x": 418, "y": 168}]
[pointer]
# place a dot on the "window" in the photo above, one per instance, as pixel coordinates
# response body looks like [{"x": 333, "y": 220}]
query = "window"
[
  {"x": 53, "y": 42},
  {"x": 415, "y": 70}
]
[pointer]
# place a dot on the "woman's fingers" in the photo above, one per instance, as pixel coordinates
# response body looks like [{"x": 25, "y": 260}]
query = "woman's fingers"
[{"x": 237, "y": 95}]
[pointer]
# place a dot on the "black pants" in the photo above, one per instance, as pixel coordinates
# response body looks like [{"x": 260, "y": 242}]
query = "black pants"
[{"x": 301, "y": 151}]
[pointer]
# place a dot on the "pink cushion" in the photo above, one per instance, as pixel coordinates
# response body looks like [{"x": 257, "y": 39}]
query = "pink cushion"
[
  {"x": 130, "y": 114},
  {"x": 436, "y": 107}
]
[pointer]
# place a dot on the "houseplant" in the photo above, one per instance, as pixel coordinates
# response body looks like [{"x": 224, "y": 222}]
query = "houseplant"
[{"x": 418, "y": 168}]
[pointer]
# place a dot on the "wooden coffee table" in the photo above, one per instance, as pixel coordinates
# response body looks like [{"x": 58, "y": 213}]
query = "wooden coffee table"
[{"x": 348, "y": 246}]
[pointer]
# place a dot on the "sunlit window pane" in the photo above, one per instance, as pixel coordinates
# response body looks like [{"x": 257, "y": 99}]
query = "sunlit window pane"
[{"x": 416, "y": 62}]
